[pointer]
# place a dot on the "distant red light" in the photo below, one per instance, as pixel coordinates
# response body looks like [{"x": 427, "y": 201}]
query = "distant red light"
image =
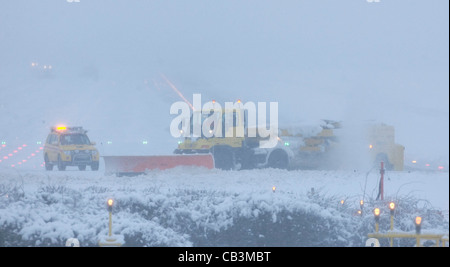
[
  {"x": 24, "y": 145},
  {"x": 15, "y": 151},
  {"x": 10, "y": 154},
  {"x": 5, "y": 157},
  {"x": 441, "y": 167}
]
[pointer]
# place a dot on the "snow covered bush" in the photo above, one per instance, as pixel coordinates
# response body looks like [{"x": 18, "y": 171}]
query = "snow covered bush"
[
  {"x": 176, "y": 218},
  {"x": 197, "y": 209}
]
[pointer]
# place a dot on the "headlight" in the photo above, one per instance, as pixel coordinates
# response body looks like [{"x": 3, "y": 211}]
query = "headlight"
[{"x": 66, "y": 152}]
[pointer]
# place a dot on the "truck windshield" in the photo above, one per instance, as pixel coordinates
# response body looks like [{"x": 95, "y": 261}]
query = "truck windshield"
[{"x": 74, "y": 139}]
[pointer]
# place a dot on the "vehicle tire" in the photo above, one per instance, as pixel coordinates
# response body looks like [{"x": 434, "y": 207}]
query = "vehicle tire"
[
  {"x": 94, "y": 166},
  {"x": 61, "y": 165},
  {"x": 82, "y": 167},
  {"x": 223, "y": 157},
  {"x": 278, "y": 159},
  {"x": 48, "y": 165}
]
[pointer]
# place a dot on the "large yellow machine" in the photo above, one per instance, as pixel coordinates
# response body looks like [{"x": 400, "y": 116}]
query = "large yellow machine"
[
  {"x": 236, "y": 152},
  {"x": 331, "y": 145},
  {"x": 382, "y": 146}
]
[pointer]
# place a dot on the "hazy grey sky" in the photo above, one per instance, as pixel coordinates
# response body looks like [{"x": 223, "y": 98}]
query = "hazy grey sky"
[{"x": 347, "y": 59}]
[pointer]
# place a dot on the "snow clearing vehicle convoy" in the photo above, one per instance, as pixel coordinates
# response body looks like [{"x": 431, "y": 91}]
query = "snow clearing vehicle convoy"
[
  {"x": 321, "y": 145},
  {"x": 317, "y": 145}
]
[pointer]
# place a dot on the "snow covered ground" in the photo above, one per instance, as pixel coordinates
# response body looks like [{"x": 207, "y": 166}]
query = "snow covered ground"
[{"x": 198, "y": 207}]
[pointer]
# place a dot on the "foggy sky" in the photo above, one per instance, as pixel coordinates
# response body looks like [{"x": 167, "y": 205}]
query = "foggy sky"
[{"x": 343, "y": 60}]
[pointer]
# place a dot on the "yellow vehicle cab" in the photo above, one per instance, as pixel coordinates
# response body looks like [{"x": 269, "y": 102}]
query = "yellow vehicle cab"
[{"x": 70, "y": 146}]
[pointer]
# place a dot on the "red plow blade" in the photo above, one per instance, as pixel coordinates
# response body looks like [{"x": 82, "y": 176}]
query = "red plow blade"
[{"x": 131, "y": 165}]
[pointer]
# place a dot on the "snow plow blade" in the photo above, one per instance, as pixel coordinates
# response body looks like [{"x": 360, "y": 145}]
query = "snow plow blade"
[{"x": 135, "y": 165}]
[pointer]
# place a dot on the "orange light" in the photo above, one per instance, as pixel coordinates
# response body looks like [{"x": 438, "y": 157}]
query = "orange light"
[
  {"x": 414, "y": 161},
  {"x": 342, "y": 202},
  {"x": 376, "y": 212},
  {"x": 61, "y": 128},
  {"x": 418, "y": 220},
  {"x": 361, "y": 202},
  {"x": 110, "y": 202},
  {"x": 392, "y": 206},
  {"x": 273, "y": 188},
  {"x": 239, "y": 101},
  {"x": 370, "y": 146}
]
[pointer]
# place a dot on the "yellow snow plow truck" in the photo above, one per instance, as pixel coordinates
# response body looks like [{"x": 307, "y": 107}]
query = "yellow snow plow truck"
[{"x": 323, "y": 144}]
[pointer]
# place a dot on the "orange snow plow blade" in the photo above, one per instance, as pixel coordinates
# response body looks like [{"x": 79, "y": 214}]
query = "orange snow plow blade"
[{"x": 134, "y": 165}]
